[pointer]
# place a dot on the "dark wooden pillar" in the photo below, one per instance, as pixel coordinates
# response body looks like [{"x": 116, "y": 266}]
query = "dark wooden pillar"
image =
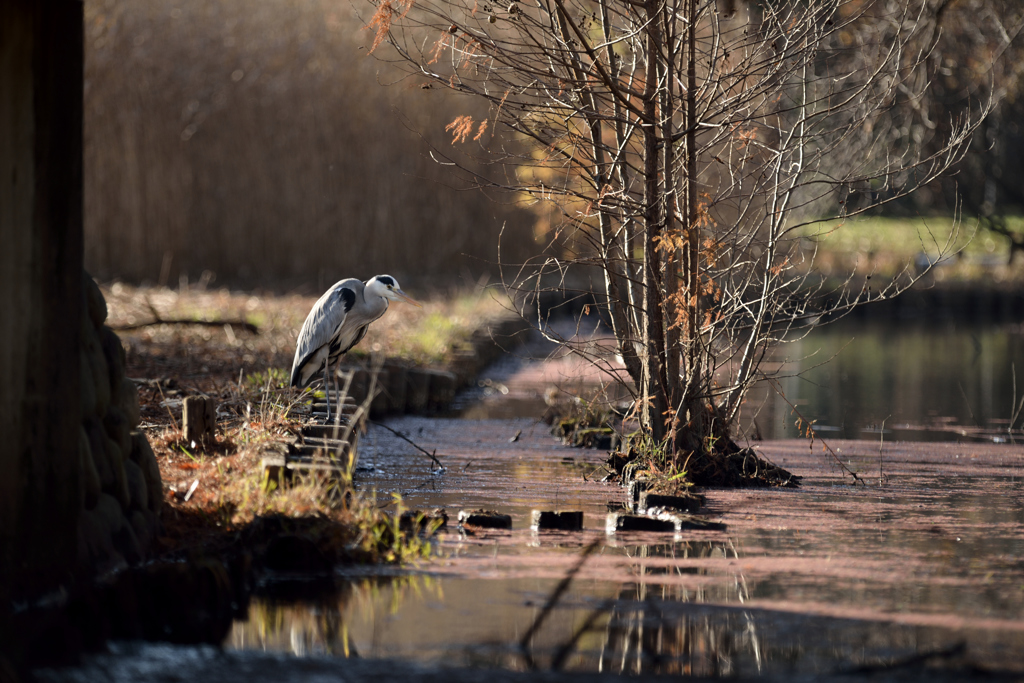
[{"x": 40, "y": 292}]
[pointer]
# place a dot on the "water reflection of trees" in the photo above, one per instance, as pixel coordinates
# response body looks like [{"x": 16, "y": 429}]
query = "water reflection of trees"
[
  {"x": 684, "y": 612},
  {"x": 649, "y": 630},
  {"x": 319, "y": 625}
]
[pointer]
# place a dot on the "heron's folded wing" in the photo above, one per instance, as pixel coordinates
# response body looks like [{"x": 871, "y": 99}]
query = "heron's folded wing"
[{"x": 322, "y": 323}]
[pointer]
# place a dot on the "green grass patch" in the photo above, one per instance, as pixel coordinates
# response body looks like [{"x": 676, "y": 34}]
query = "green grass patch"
[
  {"x": 888, "y": 246},
  {"x": 902, "y": 236}
]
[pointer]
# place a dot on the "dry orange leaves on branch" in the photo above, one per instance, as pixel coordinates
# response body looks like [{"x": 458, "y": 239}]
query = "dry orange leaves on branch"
[
  {"x": 385, "y": 14},
  {"x": 462, "y": 126}
]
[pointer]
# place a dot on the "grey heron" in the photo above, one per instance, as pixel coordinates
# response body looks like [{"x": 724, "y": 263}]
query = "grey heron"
[{"x": 337, "y": 322}]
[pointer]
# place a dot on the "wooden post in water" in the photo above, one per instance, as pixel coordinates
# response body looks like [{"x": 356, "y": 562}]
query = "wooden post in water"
[{"x": 199, "y": 419}]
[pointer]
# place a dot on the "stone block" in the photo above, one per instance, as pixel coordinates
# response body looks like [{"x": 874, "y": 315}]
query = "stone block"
[
  {"x": 127, "y": 543},
  {"x": 293, "y": 553},
  {"x": 442, "y": 389},
  {"x": 90, "y": 480},
  {"x": 120, "y": 488},
  {"x": 111, "y": 515},
  {"x": 275, "y": 471},
  {"x": 95, "y": 304},
  {"x": 619, "y": 521},
  {"x": 98, "y": 449},
  {"x": 113, "y": 351},
  {"x": 417, "y": 391},
  {"x": 138, "y": 492},
  {"x": 485, "y": 519},
  {"x": 682, "y": 522},
  {"x": 359, "y": 387},
  {"x": 557, "y": 520},
  {"x": 130, "y": 403},
  {"x": 87, "y": 386},
  {"x": 143, "y": 529},
  {"x": 116, "y": 425},
  {"x": 636, "y": 488},
  {"x": 395, "y": 388},
  {"x": 465, "y": 364},
  {"x": 379, "y": 403},
  {"x": 95, "y": 545},
  {"x": 98, "y": 368},
  {"x": 142, "y": 455},
  {"x": 683, "y": 503}
]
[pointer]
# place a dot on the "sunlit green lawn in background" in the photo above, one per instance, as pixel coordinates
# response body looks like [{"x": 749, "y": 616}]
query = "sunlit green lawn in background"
[{"x": 885, "y": 245}]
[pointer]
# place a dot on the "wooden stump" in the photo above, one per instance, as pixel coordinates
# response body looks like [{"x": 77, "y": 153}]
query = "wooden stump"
[{"x": 199, "y": 419}]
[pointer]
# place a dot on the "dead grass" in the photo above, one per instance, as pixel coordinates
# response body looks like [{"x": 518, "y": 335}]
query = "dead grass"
[{"x": 247, "y": 374}]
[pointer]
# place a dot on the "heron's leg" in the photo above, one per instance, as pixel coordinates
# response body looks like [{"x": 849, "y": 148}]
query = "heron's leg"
[
  {"x": 334, "y": 379},
  {"x": 327, "y": 388}
]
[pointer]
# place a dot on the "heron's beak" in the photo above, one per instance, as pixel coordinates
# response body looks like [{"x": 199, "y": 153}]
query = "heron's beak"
[{"x": 402, "y": 296}]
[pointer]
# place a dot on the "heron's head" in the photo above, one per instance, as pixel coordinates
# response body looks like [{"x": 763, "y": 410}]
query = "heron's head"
[{"x": 387, "y": 287}]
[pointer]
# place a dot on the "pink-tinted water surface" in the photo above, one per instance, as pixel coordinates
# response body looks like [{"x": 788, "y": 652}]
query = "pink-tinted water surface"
[
  {"x": 920, "y": 562},
  {"x": 924, "y": 558}
]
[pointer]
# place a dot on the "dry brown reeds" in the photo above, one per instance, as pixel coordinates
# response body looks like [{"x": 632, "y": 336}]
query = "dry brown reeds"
[{"x": 255, "y": 141}]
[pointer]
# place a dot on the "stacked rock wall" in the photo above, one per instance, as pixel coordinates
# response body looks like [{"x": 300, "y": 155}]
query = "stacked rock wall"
[{"x": 121, "y": 487}]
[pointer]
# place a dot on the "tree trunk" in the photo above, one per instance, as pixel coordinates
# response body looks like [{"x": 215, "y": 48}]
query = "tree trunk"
[
  {"x": 653, "y": 391},
  {"x": 691, "y": 414}
]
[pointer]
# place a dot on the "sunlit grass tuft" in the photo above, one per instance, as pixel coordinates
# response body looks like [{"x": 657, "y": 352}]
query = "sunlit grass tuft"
[{"x": 232, "y": 494}]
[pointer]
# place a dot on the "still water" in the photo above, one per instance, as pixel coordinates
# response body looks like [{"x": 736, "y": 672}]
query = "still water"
[
  {"x": 922, "y": 382},
  {"x": 901, "y": 380},
  {"x": 916, "y": 571},
  {"x": 923, "y": 564}
]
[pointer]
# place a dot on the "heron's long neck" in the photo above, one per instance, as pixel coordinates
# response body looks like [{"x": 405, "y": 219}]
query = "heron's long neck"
[{"x": 378, "y": 305}]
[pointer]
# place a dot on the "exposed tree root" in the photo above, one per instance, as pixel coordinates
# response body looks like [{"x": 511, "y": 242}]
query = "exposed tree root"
[
  {"x": 738, "y": 468},
  {"x": 732, "y": 468}
]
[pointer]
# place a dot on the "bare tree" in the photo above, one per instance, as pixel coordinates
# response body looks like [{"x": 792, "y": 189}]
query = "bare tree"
[{"x": 686, "y": 146}]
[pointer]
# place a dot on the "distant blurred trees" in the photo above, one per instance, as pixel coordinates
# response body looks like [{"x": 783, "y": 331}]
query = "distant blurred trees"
[
  {"x": 252, "y": 140},
  {"x": 979, "y": 56},
  {"x": 974, "y": 51}
]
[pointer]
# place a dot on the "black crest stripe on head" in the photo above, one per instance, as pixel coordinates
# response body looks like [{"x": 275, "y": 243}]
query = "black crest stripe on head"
[{"x": 386, "y": 280}]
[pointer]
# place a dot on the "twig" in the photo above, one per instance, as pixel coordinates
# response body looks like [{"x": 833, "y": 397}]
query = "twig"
[
  {"x": 810, "y": 430},
  {"x": 192, "y": 489},
  {"x": 432, "y": 456},
  {"x": 187, "y": 321},
  {"x": 1015, "y": 407},
  {"x": 967, "y": 402},
  {"x": 163, "y": 401},
  {"x": 881, "y": 439},
  {"x": 556, "y": 595}
]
